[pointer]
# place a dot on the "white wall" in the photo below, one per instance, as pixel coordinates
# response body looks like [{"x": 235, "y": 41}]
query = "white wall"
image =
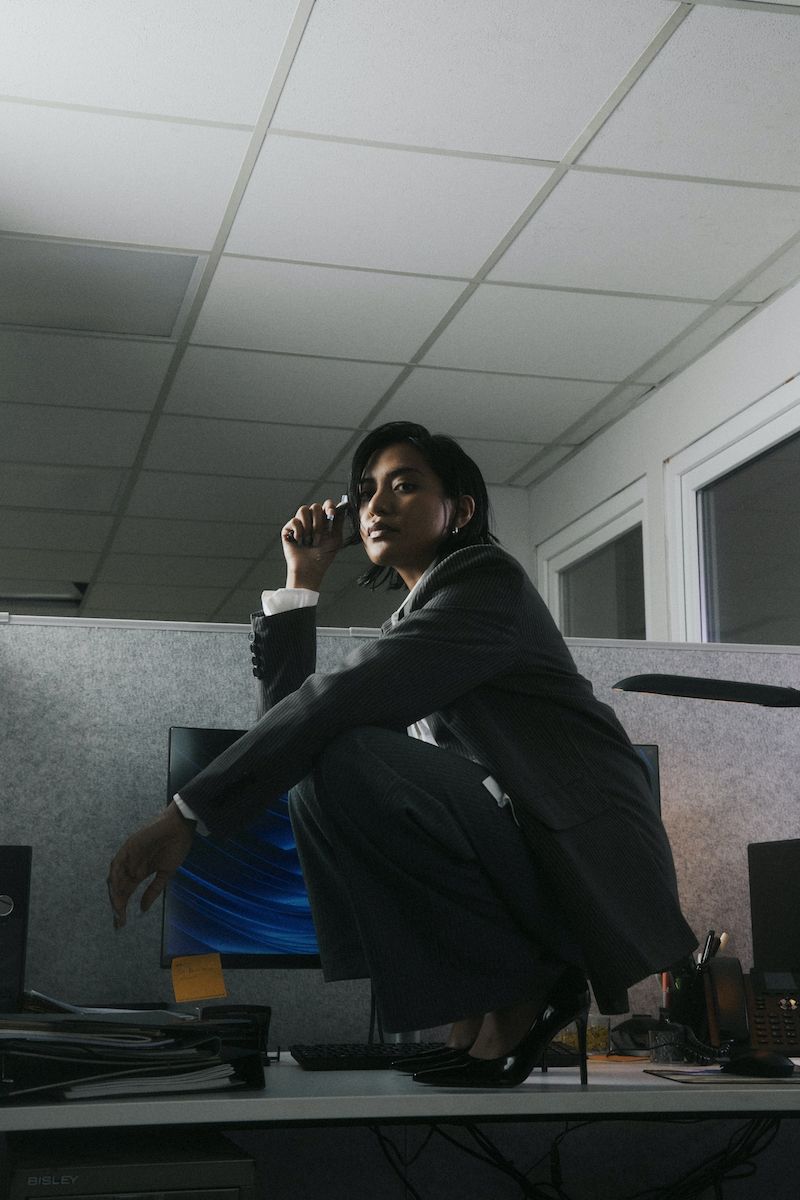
[
  {"x": 511, "y": 523},
  {"x": 757, "y": 357}
]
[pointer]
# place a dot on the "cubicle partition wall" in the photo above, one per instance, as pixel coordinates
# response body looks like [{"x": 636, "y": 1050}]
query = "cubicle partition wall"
[{"x": 83, "y": 744}]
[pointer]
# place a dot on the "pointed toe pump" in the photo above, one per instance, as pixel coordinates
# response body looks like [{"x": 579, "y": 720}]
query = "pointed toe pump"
[
  {"x": 428, "y": 1059},
  {"x": 512, "y": 1069}
]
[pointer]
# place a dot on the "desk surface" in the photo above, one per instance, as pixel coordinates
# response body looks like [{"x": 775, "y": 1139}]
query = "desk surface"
[{"x": 619, "y": 1090}]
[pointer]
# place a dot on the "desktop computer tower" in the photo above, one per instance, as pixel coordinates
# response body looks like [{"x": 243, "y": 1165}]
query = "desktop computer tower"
[
  {"x": 123, "y": 1164},
  {"x": 15, "y": 886}
]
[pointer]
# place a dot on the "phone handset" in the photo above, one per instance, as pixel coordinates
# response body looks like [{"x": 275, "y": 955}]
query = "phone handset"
[{"x": 726, "y": 1001}]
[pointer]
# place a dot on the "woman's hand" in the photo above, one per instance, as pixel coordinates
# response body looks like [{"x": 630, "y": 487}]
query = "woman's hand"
[
  {"x": 158, "y": 849},
  {"x": 311, "y": 541}
]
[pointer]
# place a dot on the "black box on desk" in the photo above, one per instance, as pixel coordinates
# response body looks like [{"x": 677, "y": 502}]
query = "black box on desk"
[
  {"x": 162, "y": 1164},
  {"x": 15, "y": 885}
]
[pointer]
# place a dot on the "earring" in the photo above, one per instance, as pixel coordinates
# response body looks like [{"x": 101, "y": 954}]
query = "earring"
[{"x": 455, "y": 529}]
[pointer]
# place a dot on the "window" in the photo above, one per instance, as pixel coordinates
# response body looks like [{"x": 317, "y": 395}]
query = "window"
[
  {"x": 733, "y": 503},
  {"x": 603, "y": 594},
  {"x": 591, "y": 573},
  {"x": 749, "y": 531}
]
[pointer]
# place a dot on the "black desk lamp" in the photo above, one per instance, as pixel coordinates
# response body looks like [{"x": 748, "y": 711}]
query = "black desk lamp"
[{"x": 698, "y": 688}]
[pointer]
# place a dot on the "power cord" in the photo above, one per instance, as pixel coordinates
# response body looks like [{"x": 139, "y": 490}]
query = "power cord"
[
  {"x": 734, "y": 1161},
  {"x": 491, "y": 1154},
  {"x": 396, "y": 1160}
]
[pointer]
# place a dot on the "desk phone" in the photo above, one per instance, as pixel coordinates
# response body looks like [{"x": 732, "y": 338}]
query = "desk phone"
[{"x": 761, "y": 1009}]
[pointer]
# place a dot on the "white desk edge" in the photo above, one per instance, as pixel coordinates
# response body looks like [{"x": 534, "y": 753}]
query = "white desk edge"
[{"x": 616, "y": 1090}]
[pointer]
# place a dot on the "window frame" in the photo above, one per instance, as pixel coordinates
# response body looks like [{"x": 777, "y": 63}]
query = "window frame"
[
  {"x": 588, "y": 533},
  {"x": 763, "y": 424}
]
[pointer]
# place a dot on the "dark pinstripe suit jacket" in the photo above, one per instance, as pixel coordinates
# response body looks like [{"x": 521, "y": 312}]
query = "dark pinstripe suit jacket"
[{"x": 478, "y": 654}]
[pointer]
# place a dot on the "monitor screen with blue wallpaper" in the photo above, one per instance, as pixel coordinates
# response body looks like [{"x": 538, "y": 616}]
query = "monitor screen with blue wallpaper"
[{"x": 243, "y": 897}]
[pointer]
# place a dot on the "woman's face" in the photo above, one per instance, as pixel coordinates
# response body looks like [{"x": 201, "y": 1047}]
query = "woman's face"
[{"x": 404, "y": 515}]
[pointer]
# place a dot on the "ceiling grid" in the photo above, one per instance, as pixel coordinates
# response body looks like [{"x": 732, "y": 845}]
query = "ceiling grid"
[{"x": 233, "y": 238}]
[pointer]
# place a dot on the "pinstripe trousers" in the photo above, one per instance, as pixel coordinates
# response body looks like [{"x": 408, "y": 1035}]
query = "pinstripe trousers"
[{"x": 419, "y": 881}]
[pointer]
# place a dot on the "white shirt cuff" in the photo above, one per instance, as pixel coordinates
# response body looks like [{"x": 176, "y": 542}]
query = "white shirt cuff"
[
  {"x": 283, "y": 599},
  {"x": 192, "y": 816}
]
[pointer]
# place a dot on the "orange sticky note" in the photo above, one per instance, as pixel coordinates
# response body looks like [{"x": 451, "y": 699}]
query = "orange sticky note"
[{"x": 198, "y": 977}]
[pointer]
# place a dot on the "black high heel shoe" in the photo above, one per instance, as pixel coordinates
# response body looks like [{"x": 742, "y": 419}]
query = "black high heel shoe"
[
  {"x": 511, "y": 1069},
  {"x": 428, "y": 1059}
]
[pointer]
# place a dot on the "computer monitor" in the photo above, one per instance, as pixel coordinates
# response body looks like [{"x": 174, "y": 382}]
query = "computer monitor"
[
  {"x": 774, "y": 877},
  {"x": 243, "y": 897}
]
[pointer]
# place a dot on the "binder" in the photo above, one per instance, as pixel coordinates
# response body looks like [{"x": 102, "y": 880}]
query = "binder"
[{"x": 73, "y": 1057}]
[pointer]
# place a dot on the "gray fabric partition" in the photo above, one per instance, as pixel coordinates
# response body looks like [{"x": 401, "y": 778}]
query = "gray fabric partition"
[
  {"x": 86, "y": 708},
  {"x": 729, "y": 772}
]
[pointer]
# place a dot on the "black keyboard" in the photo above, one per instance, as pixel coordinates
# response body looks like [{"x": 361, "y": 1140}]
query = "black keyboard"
[
  {"x": 356, "y": 1056},
  {"x": 377, "y": 1056}
]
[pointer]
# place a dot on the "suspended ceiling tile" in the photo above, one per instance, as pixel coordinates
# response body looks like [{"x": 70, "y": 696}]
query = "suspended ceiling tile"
[
  {"x": 44, "y": 607},
  {"x": 150, "y": 597},
  {"x": 558, "y": 333},
  {"x": 275, "y": 387},
  {"x": 499, "y": 460},
  {"x": 491, "y": 76},
  {"x": 108, "y": 178},
  {"x": 16, "y": 586},
  {"x": 624, "y": 401},
  {"x": 183, "y": 571},
  {"x": 242, "y": 447},
  {"x": 474, "y": 404},
  {"x": 73, "y": 565},
  {"x": 53, "y": 530},
  {"x": 356, "y": 607},
  {"x": 215, "y": 498},
  {"x": 190, "y": 58},
  {"x": 338, "y": 478},
  {"x": 631, "y": 234},
  {"x": 388, "y": 209},
  {"x": 80, "y": 488},
  {"x": 319, "y": 310},
  {"x": 543, "y": 463},
  {"x": 180, "y": 613},
  {"x": 75, "y": 436},
  {"x": 720, "y": 100},
  {"x": 151, "y": 535},
  {"x": 237, "y": 608},
  {"x": 46, "y": 368},
  {"x": 270, "y": 572},
  {"x": 694, "y": 344},
  {"x": 785, "y": 271},
  {"x": 60, "y": 285}
]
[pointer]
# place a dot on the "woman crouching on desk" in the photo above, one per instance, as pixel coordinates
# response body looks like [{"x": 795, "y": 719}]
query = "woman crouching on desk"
[{"x": 482, "y": 869}]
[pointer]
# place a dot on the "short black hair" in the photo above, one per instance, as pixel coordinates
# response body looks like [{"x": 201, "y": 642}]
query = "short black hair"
[{"x": 459, "y": 475}]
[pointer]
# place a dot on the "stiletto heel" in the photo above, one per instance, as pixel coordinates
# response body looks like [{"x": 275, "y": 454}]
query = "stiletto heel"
[
  {"x": 511, "y": 1069},
  {"x": 581, "y": 1023}
]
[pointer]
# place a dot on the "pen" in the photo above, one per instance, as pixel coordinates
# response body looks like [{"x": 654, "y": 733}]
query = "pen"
[
  {"x": 330, "y": 516},
  {"x": 706, "y": 951},
  {"x": 342, "y": 504}
]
